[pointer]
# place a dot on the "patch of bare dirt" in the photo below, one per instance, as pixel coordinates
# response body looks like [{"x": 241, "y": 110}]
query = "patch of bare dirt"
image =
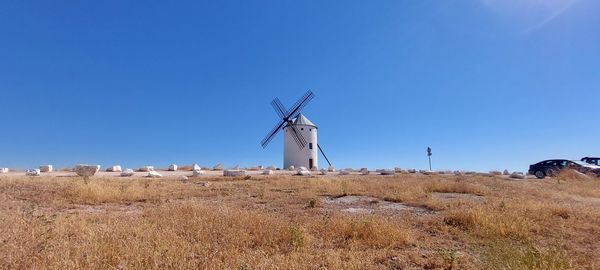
[
  {"x": 448, "y": 196},
  {"x": 367, "y": 205},
  {"x": 104, "y": 208}
]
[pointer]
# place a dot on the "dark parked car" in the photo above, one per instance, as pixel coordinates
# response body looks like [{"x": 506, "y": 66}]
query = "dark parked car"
[
  {"x": 591, "y": 160},
  {"x": 553, "y": 166}
]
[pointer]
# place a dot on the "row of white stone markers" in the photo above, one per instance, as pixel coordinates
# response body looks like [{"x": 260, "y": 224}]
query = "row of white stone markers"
[{"x": 86, "y": 170}]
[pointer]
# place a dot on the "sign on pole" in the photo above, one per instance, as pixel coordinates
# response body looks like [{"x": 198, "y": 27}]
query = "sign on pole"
[{"x": 429, "y": 155}]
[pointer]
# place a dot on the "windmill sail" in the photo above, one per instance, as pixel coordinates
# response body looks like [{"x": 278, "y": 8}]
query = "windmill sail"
[{"x": 287, "y": 117}]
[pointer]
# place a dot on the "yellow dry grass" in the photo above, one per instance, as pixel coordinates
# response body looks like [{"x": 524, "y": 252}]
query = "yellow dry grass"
[{"x": 283, "y": 222}]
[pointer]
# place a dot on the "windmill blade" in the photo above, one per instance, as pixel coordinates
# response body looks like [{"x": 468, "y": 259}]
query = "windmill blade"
[
  {"x": 271, "y": 135},
  {"x": 299, "y": 110},
  {"x": 285, "y": 116},
  {"x": 300, "y": 104},
  {"x": 300, "y": 100},
  {"x": 293, "y": 132},
  {"x": 279, "y": 108},
  {"x": 297, "y": 137}
]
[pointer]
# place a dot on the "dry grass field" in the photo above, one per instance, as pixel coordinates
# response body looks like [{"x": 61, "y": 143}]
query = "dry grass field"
[{"x": 407, "y": 221}]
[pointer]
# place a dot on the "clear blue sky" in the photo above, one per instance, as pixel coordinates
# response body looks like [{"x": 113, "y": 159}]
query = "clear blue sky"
[{"x": 488, "y": 84}]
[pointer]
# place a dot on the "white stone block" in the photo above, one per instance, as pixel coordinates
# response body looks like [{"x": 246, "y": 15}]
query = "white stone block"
[
  {"x": 127, "y": 173},
  {"x": 33, "y": 172},
  {"x": 268, "y": 172},
  {"x": 303, "y": 171},
  {"x": 344, "y": 172},
  {"x": 86, "y": 170},
  {"x": 172, "y": 168},
  {"x": 153, "y": 174},
  {"x": 388, "y": 172},
  {"x": 115, "y": 168},
  {"x": 364, "y": 171},
  {"x": 324, "y": 171},
  {"x": 3, "y": 170},
  {"x": 46, "y": 168},
  {"x": 196, "y": 167},
  {"x": 234, "y": 173},
  {"x": 146, "y": 169},
  {"x": 197, "y": 173},
  {"x": 331, "y": 169},
  {"x": 517, "y": 175}
]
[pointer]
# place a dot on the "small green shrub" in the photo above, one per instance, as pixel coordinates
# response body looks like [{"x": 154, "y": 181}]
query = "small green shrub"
[{"x": 297, "y": 237}]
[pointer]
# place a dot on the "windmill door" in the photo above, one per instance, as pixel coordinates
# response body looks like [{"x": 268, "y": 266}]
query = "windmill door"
[{"x": 310, "y": 164}]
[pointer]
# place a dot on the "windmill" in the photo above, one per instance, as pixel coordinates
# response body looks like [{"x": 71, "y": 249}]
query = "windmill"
[{"x": 300, "y": 136}]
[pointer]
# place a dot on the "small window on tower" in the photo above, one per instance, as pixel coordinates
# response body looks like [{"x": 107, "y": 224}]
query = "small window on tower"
[
  {"x": 310, "y": 146},
  {"x": 301, "y": 128}
]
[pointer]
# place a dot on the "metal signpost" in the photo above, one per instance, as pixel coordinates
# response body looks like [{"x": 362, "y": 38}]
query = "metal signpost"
[{"x": 429, "y": 155}]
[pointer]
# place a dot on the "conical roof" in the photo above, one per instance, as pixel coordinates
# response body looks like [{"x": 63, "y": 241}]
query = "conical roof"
[{"x": 302, "y": 120}]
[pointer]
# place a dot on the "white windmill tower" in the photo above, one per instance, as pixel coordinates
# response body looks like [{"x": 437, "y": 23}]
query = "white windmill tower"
[
  {"x": 300, "y": 138},
  {"x": 293, "y": 155}
]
